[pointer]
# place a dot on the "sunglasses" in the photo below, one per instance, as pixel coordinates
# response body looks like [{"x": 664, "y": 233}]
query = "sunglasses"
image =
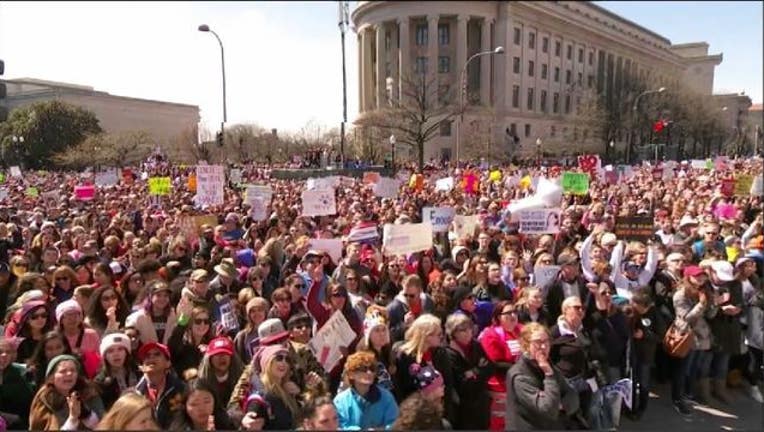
[
  {"x": 366, "y": 369},
  {"x": 281, "y": 358},
  {"x": 200, "y": 321},
  {"x": 39, "y": 315}
]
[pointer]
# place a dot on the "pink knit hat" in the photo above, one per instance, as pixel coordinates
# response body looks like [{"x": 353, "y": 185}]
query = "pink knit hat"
[
  {"x": 66, "y": 307},
  {"x": 268, "y": 353}
]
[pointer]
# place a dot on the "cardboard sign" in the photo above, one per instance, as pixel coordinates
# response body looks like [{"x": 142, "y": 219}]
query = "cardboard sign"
[
  {"x": 84, "y": 193},
  {"x": 386, "y": 188},
  {"x": 322, "y": 183},
  {"x": 262, "y": 192},
  {"x": 32, "y": 192},
  {"x": 638, "y": 228},
  {"x": 370, "y": 177},
  {"x": 440, "y": 217},
  {"x": 743, "y": 184},
  {"x": 444, "y": 184},
  {"x": 210, "y": 185},
  {"x": 540, "y": 221},
  {"x": 107, "y": 178},
  {"x": 544, "y": 275},
  {"x": 327, "y": 341},
  {"x": 159, "y": 186},
  {"x": 15, "y": 171},
  {"x": 575, "y": 183},
  {"x": 407, "y": 238},
  {"x": 318, "y": 203},
  {"x": 234, "y": 176},
  {"x": 465, "y": 225},
  {"x": 331, "y": 246}
]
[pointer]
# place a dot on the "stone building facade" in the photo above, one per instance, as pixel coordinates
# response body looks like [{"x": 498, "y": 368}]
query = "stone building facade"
[{"x": 555, "y": 52}]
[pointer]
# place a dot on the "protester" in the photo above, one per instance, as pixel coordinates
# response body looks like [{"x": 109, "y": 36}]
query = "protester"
[
  {"x": 16, "y": 392},
  {"x": 131, "y": 412},
  {"x": 364, "y": 404}
]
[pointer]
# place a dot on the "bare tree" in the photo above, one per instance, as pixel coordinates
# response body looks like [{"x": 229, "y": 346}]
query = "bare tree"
[
  {"x": 115, "y": 150},
  {"x": 417, "y": 116},
  {"x": 478, "y": 139}
]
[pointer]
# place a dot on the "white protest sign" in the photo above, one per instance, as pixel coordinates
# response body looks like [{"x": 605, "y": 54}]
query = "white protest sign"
[
  {"x": 3, "y": 194},
  {"x": 331, "y": 246},
  {"x": 334, "y": 334},
  {"x": 227, "y": 316},
  {"x": 757, "y": 187},
  {"x": 698, "y": 163},
  {"x": 623, "y": 388},
  {"x": 406, "y": 238},
  {"x": 386, "y": 187},
  {"x": 109, "y": 177},
  {"x": 15, "y": 171},
  {"x": 543, "y": 276},
  {"x": 444, "y": 184},
  {"x": 465, "y": 225},
  {"x": 439, "y": 217},
  {"x": 262, "y": 192},
  {"x": 259, "y": 210},
  {"x": 318, "y": 203},
  {"x": 668, "y": 173},
  {"x": 235, "y": 175},
  {"x": 324, "y": 183},
  {"x": 210, "y": 181},
  {"x": 540, "y": 221}
]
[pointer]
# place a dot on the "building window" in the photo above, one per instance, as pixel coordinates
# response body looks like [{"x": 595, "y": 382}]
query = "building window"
[
  {"x": 591, "y": 58},
  {"x": 421, "y": 34},
  {"x": 545, "y": 45},
  {"x": 580, "y": 55},
  {"x": 530, "y": 99},
  {"x": 567, "y": 104},
  {"x": 580, "y": 79},
  {"x": 518, "y": 32},
  {"x": 527, "y": 130},
  {"x": 542, "y": 102},
  {"x": 515, "y": 96},
  {"x": 568, "y": 76},
  {"x": 552, "y": 131},
  {"x": 444, "y": 64},
  {"x": 513, "y": 129},
  {"x": 421, "y": 65},
  {"x": 516, "y": 65},
  {"x": 556, "y": 103},
  {"x": 443, "y": 34},
  {"x": 532, "y": 40},
  {"x": 445, "y": 128},
  {"x": 590, "y": 81},
  {"x": 569, "y": 54},
  {"x": 556, "y": 74},
  {"x": 557, "y": 48},
  {"x": 544, "y": 70},
  {"x": 444, "y": 94},
  {"x": 530, "y": 67}
]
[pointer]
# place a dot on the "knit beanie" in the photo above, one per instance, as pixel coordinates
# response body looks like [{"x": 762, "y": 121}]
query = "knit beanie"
[
  {"x": 376, "y": 316},
  {"x": 66, "y": 307},
  {"x": 268, "y": 353},
  {"x": 426, "y": 378},
  {"x": 114, "y": 339},
  {"x": 58, "y": 359}
]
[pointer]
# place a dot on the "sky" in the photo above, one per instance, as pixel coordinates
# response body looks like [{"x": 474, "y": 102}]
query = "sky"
[{"x": 283, "y": 59}]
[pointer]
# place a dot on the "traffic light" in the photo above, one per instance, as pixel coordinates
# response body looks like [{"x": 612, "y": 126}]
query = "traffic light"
[
  {"x": 3, "y": 92},
  {"x": 219, "y": 139}
]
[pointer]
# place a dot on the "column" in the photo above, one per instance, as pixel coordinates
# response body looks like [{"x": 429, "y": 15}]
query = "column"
[
  {"x": 360, "y": 71},
  {"x": 432, "y": 52},
  {"x": 485, "y": 63},
  {"x": 461, "y": 54},
  {"x": 404, "y": 61},
  {"x": 368, "y": 88},
  {"x": 381, "y": 75},
  {"x": 392, "y": 54}
]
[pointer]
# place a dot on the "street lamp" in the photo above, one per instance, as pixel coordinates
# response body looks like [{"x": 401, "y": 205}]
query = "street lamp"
[
  {"x": 463, "y": 89},
  {"x": 343, "y": 24},
  {"x": 392, "y": 152},
  {"x": 538, "y": 151},
  {"x": 206, "y": 28},
  {"x": 634, "y": 116}
]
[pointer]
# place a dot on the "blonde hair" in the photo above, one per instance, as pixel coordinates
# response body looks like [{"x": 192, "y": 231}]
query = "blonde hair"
[
  {"x": 525, "y": 295},
  {"x": 416, "y": 335},
  {"x": 527, "y": 332},
  {"x": 275, "y": 386},
  {"x": 124, "y": 409},
  {"x": 568, "y": 302},
  {"x": 454, "y": 321}
]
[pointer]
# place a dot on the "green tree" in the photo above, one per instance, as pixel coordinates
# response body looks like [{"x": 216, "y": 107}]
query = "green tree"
[{"x": 48, "y": 128}]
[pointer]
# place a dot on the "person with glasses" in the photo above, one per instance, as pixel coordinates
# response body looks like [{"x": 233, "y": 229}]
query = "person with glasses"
[
  {"x": 133, "y": 290},
  {"x": 189, "y": 339},
  {"x": 471, "y": 368},
  {"x": 278, "y": 392},
  {"x": 409, "y": 304},
  {"x": 500, "y": 341},
  {"x": 709, "y": 244},
  {"x": 569, "y": 282},
  {"x": 283, "y": 306},
  {"x": 538, "y": 395},
  {"x": 364, "y": 404},
  {"x": 608, "y": 327},
  {"x": 83, "y": 341},
  {"x": 256, "y": 311},
  {"x": 35, "y": 320},
  {"x": 107, "y": 311},
  {"x": 159, "y": 383}
]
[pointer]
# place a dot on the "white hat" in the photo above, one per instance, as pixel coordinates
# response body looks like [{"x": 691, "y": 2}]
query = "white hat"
[
  {"x": 114, "y": 339},
  {"x": 687, "y": 220},
  {"x": 723, "y": 270},
  {"x": 674, "y": 256},
  {"x": 608, "y": 238}
]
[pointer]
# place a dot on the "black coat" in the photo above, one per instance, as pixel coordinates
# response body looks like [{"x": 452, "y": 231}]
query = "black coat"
[
  {"x": 555, "y": 295},
  {"x": 404, "y": 385},
  {"x": 726, "y": 329},
  {"x": 472, "y": 410}
]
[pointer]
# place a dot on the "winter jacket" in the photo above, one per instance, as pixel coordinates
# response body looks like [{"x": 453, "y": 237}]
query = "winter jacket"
[
  {"x": 16, "y": 395},
  {"x": 169, "y": 403},
  {"x": 690, "y": 313},
  {"x": 185, "y": 355},
  {"x": 376, "y": 410},
  {"x": 609, "y": 329},
  {"x": 726, "y": 329},
  {"x": 50, "y": 411},
  {"x": 472, "y": 407},
  {"x": 653, "y": 325},
  {"x": 108, "y": 387},
  {"x": 396, "y": 312},
  {"x": 503, "y": 349},
  {"x": 404, "y": 384},
  {"x": 753, "y": 318},
  {"x": 143, "y": 322},
  {"x": 556, "y": 294}
]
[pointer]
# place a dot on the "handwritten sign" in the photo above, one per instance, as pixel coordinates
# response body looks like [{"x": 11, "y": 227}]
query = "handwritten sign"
[
  {"x": 575, "y": 183},
  {"x": 322, "y": 183},
  {"x": 370, "y": 177},
  {"x": 3, "y": 194},
  {"x": 2, "y": 177},
  {"x": 15, "y": 171},
  {"x": 465, "y": 225},
  {"x": 440, "y": 217},
  {"x": 331, "y": 246},
  {"x": 544, "y": 275},
  {"x": 159, "y": 186},
  {"x": 540, "y": 221},
  {"x": 623, "y": 388},
  {"x": 386, "y": 187},
  {"x": 638, "y": 228},
  {"x": 32, "y": 192},
  {"x": 743, "y": 183},
  {"x": 258, "y": 209},
  {"x": 234, "y": 175},
  {"x": 757, "y": 188},
  {"x": 318, "y": 203},
  {"x": 335, "y": 333},
  {"x": 84, "y": 193},
  {"x": 109, "y": 177},
  {"x": 262, "y": 192},
  {"x": 444, "y": 184},
  {"x": 210, "y": 183},
  {"x": 727, "y": 187},
  {"x": 407, "y": 238}
]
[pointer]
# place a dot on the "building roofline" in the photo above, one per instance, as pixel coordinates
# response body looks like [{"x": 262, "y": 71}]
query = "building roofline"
[
  {"x": 627, "y": 21},
  {"x": 690, "y": 45},
  {"x": 711, "y": 57}
]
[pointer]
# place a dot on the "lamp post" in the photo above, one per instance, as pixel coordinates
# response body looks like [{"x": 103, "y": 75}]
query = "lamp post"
[
  {"x": 463, "y": 89},
  {"x": 18, "y": 141},
  {"x": 392, "y": 152},
  {"x": 343, "y": 24},
  {"x": 538, "y": 151},
  {"x": 634, "y": 117},
  {"x": 206, "y": 28}
]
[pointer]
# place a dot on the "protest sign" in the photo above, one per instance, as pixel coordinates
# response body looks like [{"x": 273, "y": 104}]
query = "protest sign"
[
  {"x": 160, "y": 186},
  {"x": 109, "y": 177},
  {"x": 638, "y": 228},
  {"x": 757, "y": 186},
  {"x": 3, "y": 194},
  {"x": 2, "y": 177},
  {"x": 262, "y": 192},
  {"x": 227, "y": 315},
  {"x": 743, "y": 183},
  {"x": 540, "y": 221},
  {"x": 258, "y": 209},
  {"x": 439, "y": 217},
  {"x": 386, "y": 187},
  {"x": 210, "y": 182},
  {"x": 191, "y": 183},
  {"x": 370, "y": 177},
  {"x": 234, "y": 176},
  {"x": 127, "y": 175},
  {"x": 84, "y": 193},
  {"x": 575, "y": 183},
  {"x": 465, "y": 225},
  {"x": 326, "y": 343},
  {"x": 406, "y": 238},
  {"x": 188, "y": 228},
  {"x": 318, "y": 203},
  {"x": 50, "y": 196},
  {"x": 698, "y": 164},
  {"x": 544, "y": 275},
  {"x": 623, "y": 388},
  {"x": 331, "y": 246},
  {"x": 32, "y": 192},
  {"x": 322, "y": 183},
  {"x": 727, "y": 187},
  {"x": 15, "y": 171},
  {"x": 444, "y": 184}
]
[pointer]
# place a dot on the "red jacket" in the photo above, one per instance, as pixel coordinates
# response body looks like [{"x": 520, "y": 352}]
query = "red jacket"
[{"x": 496, "y": 343}]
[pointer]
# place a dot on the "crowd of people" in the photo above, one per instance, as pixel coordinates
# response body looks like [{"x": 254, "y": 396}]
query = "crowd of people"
[{"x": 120, "y": 317}]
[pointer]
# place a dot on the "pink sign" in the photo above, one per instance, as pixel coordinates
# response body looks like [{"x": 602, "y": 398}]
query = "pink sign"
[{"x": 84, "y": 193}]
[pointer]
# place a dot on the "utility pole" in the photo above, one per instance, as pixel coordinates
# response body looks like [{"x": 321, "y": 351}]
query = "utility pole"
[{"x": 343, "y": 24}]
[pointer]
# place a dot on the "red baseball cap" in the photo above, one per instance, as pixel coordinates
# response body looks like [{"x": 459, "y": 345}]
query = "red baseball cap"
[
  {"x": 145, "y": 348},
  {"x": 220, "y": 345},
  {"x": 692, "y": 271}
]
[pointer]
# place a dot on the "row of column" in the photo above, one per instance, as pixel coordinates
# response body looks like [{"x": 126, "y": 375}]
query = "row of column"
[{"x": 374, "y": 79}]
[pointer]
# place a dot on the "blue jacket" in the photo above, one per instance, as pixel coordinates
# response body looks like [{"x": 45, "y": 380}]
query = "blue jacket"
[{"x": 376, "y": 410}]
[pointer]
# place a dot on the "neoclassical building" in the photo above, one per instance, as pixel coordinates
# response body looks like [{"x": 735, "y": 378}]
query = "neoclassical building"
[{"x": 554, "y": 52}]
